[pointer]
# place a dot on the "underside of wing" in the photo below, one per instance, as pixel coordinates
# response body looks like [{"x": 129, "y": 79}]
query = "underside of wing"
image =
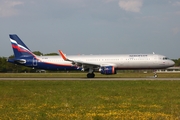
[{"x": 86, "y": 64}]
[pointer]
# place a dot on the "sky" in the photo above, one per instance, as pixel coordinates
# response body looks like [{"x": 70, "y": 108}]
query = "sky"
[{"x": 92, "y": 26}]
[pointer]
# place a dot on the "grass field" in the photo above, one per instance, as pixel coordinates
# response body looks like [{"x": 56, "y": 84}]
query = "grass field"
[
  {"x": 91, "y": 100},
  {"x": 83, "y": 75}
]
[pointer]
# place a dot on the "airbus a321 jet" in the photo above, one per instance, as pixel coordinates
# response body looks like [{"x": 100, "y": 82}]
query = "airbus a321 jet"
[{"x": 105, "y": 64}]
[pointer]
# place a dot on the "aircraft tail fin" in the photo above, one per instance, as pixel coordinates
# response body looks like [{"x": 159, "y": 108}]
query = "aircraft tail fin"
[{"x": 19, "y": 48}]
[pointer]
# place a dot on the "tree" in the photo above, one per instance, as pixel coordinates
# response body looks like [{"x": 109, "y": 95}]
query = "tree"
[
  {"x": 38, "y": 53},
  {"x": 50, "y": 54},
  {"x": 177, "y": 62},
  {"x": 3, "y": 64}
]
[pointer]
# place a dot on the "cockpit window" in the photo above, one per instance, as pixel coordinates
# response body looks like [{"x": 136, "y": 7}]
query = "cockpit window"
[{"x": 165, "y": 58}]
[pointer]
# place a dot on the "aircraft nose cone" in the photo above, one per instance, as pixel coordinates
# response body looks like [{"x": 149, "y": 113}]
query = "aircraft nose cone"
[{"x": 171, "y": 63}]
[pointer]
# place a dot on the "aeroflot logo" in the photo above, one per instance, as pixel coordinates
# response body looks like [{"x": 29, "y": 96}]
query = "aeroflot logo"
[{"x": 138, "y": 55}]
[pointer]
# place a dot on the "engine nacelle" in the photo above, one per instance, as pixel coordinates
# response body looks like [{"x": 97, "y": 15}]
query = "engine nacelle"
[{"x": 108, "y": 70}]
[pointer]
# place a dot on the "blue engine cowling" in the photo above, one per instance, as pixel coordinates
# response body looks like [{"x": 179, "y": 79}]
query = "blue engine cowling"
[{"x": 108, "y": 70}]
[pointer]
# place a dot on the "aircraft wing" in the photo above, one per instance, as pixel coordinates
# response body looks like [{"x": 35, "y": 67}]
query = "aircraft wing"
[{"x": 79, "y": 63}]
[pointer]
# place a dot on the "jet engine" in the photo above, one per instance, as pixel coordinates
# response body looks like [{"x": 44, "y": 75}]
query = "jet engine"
[{"x": 108, "y": 70}]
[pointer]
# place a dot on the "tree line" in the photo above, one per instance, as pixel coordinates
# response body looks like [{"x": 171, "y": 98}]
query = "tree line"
[{"x": 6, "y": 67}]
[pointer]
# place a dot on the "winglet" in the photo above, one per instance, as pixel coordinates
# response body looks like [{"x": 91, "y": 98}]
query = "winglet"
[{"x": 62, "y": 55}]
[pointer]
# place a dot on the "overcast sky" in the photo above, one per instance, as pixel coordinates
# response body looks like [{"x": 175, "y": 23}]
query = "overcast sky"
[{"x": 92, "y": 26}]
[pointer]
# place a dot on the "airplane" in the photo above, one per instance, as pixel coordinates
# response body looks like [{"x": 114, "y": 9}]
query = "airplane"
[{"x": 105, "y": 64}]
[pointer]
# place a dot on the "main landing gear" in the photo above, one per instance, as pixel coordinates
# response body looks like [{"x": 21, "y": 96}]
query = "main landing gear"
[{"x": 90, "y": 75}]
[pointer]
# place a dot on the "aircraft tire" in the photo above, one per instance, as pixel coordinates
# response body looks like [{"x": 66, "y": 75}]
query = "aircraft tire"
[
  {"x": 155, "y": 76},
  {"x": 90, "y": 75}
]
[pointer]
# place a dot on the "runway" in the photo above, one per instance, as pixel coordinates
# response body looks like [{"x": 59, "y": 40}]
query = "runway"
[{"x": 88, "y": 79}]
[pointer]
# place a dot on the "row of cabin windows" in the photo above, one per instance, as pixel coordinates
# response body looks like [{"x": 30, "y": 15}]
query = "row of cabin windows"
[
  {"x": 102, "y": 59},
  {"x": 86, "y": 60},
  {"x": 138, "y": 59},
  {"x": 99, "y": 60}
]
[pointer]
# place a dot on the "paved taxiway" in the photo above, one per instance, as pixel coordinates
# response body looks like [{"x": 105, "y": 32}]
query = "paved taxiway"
[{"x": 90, "y": 78}]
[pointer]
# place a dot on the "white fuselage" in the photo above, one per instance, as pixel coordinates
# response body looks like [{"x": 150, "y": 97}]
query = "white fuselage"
[{"x": 124, "y": 61}]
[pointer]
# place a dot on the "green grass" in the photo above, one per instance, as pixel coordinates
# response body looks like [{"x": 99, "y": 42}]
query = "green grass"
[
  {"x": 83, "y": 75},
  {"x": 90, "y": 100}
]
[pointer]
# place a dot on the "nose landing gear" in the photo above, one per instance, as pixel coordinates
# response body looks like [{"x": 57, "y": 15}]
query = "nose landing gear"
[{"x": 155, "y": 74}]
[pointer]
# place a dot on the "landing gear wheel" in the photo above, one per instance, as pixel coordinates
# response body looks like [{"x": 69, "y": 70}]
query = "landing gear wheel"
[
  {"x": 90, "y": 75},
  {"x": 155, "y": 75}
]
